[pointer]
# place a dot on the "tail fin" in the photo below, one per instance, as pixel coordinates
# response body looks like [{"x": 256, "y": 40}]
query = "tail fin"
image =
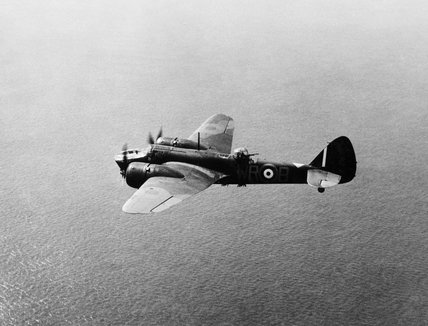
[{"x": 337, "y": 158}]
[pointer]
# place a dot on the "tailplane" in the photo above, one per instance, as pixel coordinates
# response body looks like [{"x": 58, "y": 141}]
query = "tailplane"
[{"x": 335, "y": 164}]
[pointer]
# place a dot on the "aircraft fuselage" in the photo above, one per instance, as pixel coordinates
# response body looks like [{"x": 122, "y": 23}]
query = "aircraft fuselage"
[{"x": 239, "y": 171}]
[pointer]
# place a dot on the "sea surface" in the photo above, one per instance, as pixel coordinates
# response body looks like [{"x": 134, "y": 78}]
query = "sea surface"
[{"x": 79, "y": 79}]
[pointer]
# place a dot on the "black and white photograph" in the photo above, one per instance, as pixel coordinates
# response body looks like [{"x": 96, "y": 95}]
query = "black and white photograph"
[{"x": 230, "y": 162}]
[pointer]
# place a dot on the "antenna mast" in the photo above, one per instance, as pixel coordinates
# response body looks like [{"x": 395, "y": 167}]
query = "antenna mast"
[{"x": 199, "y": 140}]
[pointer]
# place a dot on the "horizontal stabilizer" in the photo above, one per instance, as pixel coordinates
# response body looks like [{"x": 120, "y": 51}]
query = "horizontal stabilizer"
[{"x": 322, "y": 179}]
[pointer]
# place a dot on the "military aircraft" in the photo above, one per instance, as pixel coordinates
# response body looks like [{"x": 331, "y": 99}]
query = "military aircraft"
[{"x": 170, "y": 170}]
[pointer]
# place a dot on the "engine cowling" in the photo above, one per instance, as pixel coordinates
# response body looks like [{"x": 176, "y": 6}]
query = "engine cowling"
[
  {"x": 137, "y": 173},
  {"x": 179, "y": 142}
]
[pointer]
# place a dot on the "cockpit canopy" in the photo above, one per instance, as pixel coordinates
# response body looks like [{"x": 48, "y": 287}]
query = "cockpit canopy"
[{"x": 131, "y": 151}]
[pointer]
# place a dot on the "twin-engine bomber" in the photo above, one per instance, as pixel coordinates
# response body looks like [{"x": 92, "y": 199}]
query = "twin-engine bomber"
[{"x": 170, "y": 170}]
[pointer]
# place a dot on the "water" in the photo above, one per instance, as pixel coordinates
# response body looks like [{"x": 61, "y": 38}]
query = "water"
[{"x": 80, "y": 80}]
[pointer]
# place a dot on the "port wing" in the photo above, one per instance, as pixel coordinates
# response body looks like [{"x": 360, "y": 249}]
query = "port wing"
[{"x": 160, "y": 193}]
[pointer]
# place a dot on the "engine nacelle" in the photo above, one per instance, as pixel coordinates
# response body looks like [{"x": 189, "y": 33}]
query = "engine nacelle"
[
  {"x": 137, "y": 173},
  {"x": 179, "y": 142}
]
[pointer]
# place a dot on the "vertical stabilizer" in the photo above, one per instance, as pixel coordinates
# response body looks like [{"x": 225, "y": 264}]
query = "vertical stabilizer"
[{"x": 338, "y": 158}]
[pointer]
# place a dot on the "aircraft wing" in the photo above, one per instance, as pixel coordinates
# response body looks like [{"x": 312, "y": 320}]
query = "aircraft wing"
[
  {"x": 216, "y": 133},
  {"x": 160, "y": 193}
]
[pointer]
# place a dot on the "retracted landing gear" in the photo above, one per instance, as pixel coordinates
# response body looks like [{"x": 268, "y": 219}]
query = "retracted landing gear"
[{"x": 321, "y": 190}]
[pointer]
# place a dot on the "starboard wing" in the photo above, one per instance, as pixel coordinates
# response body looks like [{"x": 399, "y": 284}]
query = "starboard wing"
[
  {"x": 160, "y": 193},
  {"x": 216, "y": 133}
]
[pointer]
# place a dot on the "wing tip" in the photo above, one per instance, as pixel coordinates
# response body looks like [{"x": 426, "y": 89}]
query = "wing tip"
[{"x": 129, "y": 210}]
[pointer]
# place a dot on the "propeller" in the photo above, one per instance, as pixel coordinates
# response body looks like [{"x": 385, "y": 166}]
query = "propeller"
[
  {"x": 152, "y": 140},
  {"x": 124, "y": 160}
]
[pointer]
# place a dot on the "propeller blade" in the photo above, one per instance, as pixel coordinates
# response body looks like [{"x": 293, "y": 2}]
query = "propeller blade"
[
  {"x": 150, "y": 139},
  {"x": 124, "y": 159},
  {"x": 159, "y": 134}
]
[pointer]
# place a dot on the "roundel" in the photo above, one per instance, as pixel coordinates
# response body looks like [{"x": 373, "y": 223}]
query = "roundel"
[{"x": 269, "y": 172}]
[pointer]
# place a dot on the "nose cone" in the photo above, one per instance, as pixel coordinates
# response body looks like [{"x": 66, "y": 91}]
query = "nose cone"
[{"x": 119, "y": 159}]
